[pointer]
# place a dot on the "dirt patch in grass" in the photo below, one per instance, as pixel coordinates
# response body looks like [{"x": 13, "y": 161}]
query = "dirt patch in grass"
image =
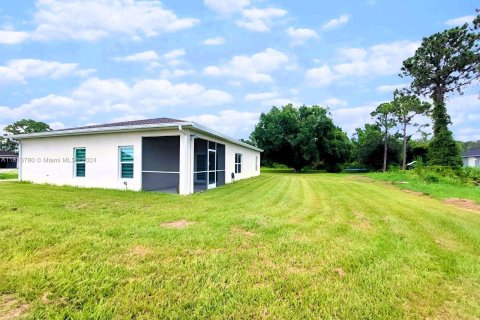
[
  {"x": 463, "y": 203},
  {"x": 139, "y": 251},
  {"x": 361, "y": 221},
  {"x": 47, "y": 299},
  {"x": 414, "y": 192},
  {"x": 77, "y": 206},
  {"x": 180, "y": 224},
  {"x": 341, "y": 273},
  {"x": 243, "y": 232},
  {"x": 11, "y": 308}
]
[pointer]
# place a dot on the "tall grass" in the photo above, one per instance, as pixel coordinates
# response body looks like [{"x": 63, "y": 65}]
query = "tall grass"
[{"x": 439, "y": 182}]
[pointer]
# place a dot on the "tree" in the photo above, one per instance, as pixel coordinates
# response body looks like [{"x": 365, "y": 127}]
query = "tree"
[
  {"x": 298, "y": 137},
  {"x": 445, "y": 62},
  {"x": 443, "y": 150},
  {"x": 405, "y": 108},
  {"x": 385, "y": 119},
  {"x": 369, "y": 147},
  {"x": 19, "y": 127}
]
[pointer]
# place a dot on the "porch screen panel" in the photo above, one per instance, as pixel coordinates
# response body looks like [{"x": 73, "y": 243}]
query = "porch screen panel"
[{"x": 161, "y": 164}]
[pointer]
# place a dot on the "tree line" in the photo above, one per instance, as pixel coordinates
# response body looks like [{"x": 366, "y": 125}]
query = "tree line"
[{"x": 446, "y": 62}]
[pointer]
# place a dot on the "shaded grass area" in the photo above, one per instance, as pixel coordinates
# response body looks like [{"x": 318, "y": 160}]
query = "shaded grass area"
[
  {"x": 442, "y": 189},
  {"x": 278, "y": 246},
  {"x": 10, "y": 174}
]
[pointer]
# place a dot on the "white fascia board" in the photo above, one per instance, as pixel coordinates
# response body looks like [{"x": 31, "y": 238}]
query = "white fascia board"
[
  {"x": 223, "y": 137},
  {"x": 89, "y": 131},
  {"x": 76, "y": 132}
]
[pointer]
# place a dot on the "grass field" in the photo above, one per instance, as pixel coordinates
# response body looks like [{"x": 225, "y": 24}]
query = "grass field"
[
  {"x": 8, "y": 174},
  {"x": 408, "y": 180},
  {"x": 281, "y": 245}
]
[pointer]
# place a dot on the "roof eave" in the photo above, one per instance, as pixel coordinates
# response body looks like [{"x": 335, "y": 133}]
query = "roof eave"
[
  {"x": 88, "y": 131},
  {"x": 71, "y": 132},
  {"x": 223, "y": 136}
]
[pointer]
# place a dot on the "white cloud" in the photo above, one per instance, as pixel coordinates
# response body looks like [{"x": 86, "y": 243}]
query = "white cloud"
[
  {"x": 118, "y": 98},
  {"x": 91, "y": 20},
  {"x": 336, "y": 22},
  {"x": 225, "y": 7},
  {"x": 333, "y": 102},
  {"x": 321, "y": 76},
  {"x": 378, "y": 60},
  {"x": 230, "y": 122},
  {"x": 45, "y": 108},
  {"x": 459, "y": 21},
  {"x": 465, "y": 113},
  {"x": 57, "y": 125},
  {"x": 154, "y": 60},
  {"x": 381, "y": 59},
  {"x": 390, "y": 88},
  {"x": 19, "y": 70},
  {"x": 301, "y": 35},
  {"x": 256, "y": 68},
  {"x": 174, "y": 54},
  {"x": 261, "y": 96},
  {"x": 149, "y": 55},
  {"x": 259, "y": 19},
  {"x": 175, "y": 73},
  {"x": 351, "y": 118},
  {"x": 12, "y": 37},
  {"x": 214, "y": 41}
]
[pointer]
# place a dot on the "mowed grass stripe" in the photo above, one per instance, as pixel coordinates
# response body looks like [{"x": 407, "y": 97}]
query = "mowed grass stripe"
[{"x": 277, "y": 246}]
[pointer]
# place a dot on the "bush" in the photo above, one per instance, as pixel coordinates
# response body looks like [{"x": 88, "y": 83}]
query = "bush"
[
  {"x": 276, "y": 165},
  {"x": 431, "y": 179},
  {"x": 334, "y": 168}
]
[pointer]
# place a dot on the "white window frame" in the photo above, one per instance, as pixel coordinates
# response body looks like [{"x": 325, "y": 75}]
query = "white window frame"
[
  {"x": 238, "y": 163},
  {"x": 75, "y": 162},
  {"x": 120, "y": 162}
]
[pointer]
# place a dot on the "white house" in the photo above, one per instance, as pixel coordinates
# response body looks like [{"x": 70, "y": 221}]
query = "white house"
[
  {"x": 163, "y": 154},
  {"x": 471, "y": 158}
]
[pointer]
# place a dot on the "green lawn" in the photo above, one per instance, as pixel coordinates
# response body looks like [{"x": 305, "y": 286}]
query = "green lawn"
[
  {"x": 278, "y": 246},
  {"x": 410, "y": 181},
  {"x": 8, "y": 174}
]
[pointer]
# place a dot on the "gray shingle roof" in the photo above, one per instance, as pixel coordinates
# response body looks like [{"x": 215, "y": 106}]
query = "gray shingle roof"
[
  {"x": 128, "y": 123},
  {"x": 471, "y": 153}
]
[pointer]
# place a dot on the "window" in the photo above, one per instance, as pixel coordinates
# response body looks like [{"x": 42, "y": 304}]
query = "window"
[
  {"x": 256, "y": 163},
  {"x": 238, "y": 163},
  {"x": 79, "y": 155},
  {"x": 126, "y": 162}
]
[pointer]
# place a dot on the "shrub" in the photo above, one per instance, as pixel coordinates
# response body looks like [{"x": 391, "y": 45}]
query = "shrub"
[{"x": 431, "y": 179}]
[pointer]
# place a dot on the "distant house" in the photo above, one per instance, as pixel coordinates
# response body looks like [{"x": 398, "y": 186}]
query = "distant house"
[
  {"x": 8, "y": 160},
  {"x": 471, "y": 158},
  {"x": 162, "y": 154}
]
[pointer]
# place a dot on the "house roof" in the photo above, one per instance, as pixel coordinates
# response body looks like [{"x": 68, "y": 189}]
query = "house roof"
[
  {"x": 128, "y": 123},
  {"x": 471, "y": 153},
  {"x": 136, "y": 125},
  {"x": 4, "y": 154}
]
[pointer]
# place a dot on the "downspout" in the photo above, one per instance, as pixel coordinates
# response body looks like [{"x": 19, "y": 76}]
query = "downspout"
[
  {"x": 19, "y": 160},
  {"x": 187, "y": 154},
  {"x": 181, "y": 129}
]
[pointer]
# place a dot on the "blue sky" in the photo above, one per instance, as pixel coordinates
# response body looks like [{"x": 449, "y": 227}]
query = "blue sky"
[{"x": 220, "y": 63}]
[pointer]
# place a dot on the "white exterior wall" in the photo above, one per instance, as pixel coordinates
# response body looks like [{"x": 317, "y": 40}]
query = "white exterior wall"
[
  {"x": 471, "y": 161},
  {"x": 49, "y": 159}
]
